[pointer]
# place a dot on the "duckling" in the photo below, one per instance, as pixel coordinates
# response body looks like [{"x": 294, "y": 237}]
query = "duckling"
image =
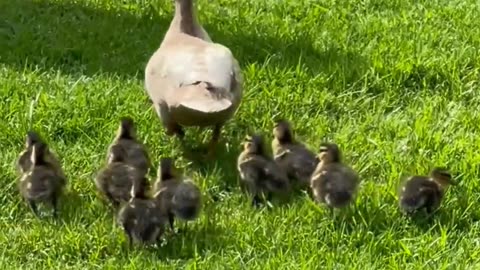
[
  {"x": 296, "y": 159},
  {"x": 425, "y": 192},
  {"x": 333, "y": 182},
  {"x": 142, "y": 218},
  {"x": 191, "y": 80},
  {"x": 136, "y": 153},
  {"x": 24, "y": 159},
  {"x": 117, "y": 178},
  {"x": 41, "y": 182},
  {"x": 259, "y": 172},
  {"x": 178, "y": 195}
]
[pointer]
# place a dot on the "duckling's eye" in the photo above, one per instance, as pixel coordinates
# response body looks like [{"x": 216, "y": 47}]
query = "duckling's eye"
[
  {"x": 446, "y": 174},
  {"x": 323, "y": 149}
]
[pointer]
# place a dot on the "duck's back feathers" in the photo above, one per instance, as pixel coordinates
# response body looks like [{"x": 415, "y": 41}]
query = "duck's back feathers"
[
  {"x": 263, "y": 174},
  {"x": 135, "y": 154},
  {"x": 186, "y": 202},
  {"x": 298, "y": 161},
  {"x": 142, "y": 220},
  {"x": 335, "y": 184},
  {"x": 419, "y": 192},
  {"x": 116, "y": 180},
  {"x": 40, "y": 184}
]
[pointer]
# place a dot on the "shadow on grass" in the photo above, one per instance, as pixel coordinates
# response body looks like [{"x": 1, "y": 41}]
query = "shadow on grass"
[{"x": 83, "y": 38}]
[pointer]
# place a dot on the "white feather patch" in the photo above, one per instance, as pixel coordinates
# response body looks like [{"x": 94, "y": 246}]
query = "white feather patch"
[{"x": 207, "y": 105}]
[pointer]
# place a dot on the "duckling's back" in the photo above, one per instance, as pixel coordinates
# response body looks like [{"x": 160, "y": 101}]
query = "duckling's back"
[
  {"x": 335, "y": 184},
  {"x": 260, "y": 173},
  {"x": 136, "y": 154},
  {"x": 24, "y": 162},
  {"x": 142, "y": 219},
  {"x": 298, "y": 161},
  {"x": 40, "y": 184},
  {"x": 186, "y": 201},
  {"x": 117, "y": 179},
  {"x": 418, "y": 192}
]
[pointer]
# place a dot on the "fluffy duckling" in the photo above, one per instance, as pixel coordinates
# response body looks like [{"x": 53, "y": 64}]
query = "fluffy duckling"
[
  {"x": 142, "y": 219},
  {"x": 136, "y": 153},
  {"x": 333, "y": 182},
  {"x": 41, "y": 182},
  {"x": 24, "y": 160},
  {"x": 178, "y": 196},
  {"x": 424, "y": 192},
  {"x": 296, "y": 159},
  {"x": 117, "y": 179},
  {"x": 259, "y": 172}
]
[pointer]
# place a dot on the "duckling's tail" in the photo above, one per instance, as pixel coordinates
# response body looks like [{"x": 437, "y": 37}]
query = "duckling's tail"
[
  {"x": 338, "y": 198},
  {"x": 41, "y": 189},
  {"x": 204, "y": 97},
  {"x": 410, "y": 204},
  {"x": 186, "y": 201}
]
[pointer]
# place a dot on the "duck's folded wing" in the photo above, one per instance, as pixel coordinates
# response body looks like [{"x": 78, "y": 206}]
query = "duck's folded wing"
[{"x": 209, "y": 62}]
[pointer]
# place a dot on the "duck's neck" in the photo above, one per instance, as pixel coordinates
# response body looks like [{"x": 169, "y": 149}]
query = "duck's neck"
[{"x": 185, "y": 19}]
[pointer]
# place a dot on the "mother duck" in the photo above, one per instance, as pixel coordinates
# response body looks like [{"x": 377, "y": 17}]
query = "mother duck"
[{"x": 191, "y": 80}]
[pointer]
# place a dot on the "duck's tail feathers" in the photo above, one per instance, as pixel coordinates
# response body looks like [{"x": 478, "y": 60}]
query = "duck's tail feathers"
[
  {"x": 187, "y": 201},
  {"x": 338, "y": 198},
  {"x": 204, "y": 97}
]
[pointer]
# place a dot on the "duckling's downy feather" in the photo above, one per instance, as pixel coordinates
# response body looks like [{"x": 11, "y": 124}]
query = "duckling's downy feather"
[{"x": 419, "y": 192}]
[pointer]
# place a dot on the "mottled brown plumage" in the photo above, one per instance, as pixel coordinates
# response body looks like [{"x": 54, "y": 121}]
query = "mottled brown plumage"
[
  {"x": 293, "y": 156},
  {"x": 424, "y": 192},
  {"x": 24, "y": 160},
  {"x": 259, "y": 172},
  {"x": 136, "y": 153},
  {"x": 333, "y": 182},
  {"x": 40, "y": 183},
  {"x": 177, "y": 194},
  {"x": 142, "y": 219},
  {"x": 116, "y": 180}
]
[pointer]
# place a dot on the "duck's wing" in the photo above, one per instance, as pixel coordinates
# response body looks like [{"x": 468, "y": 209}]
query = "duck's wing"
[{"x": 173, "y": 70}]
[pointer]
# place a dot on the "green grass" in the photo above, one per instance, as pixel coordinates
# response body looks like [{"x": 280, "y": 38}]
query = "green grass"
[{"x": 394, "y": 83}]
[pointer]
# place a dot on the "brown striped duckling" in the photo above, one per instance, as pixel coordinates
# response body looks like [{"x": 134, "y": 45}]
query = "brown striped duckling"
[
  {"x": 24, "y": 159},
  {"x": 333, "y": 182},
  {"x": 178, "y": 195},
  {"x": 116, "y": 180},
  {"x": 424, "y": 192},
  {"x": 292, "y": 155},
  {"x": 41, "y": 182},
  {"x": 136, "y": 152},
  {"x": 142, "y": 219},
  {"x": 259, "y": 172}
]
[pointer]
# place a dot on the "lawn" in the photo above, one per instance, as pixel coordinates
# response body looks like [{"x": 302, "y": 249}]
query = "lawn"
[{"x": 394, "y": 83}]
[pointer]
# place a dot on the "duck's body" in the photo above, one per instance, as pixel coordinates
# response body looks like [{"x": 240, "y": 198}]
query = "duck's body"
[
  {"x": 41, "y": 182},
  {"x": 177, "y": 195},
  {"x": 333, "y": 182},
  {"x": 24, "y": 160},
  {"x": 142, "y": 219},
  {"x": 292, "y": 155},
  {"x": 260, "y": 174},
  {"x": 191, "y": 80},
  {"x": 134, "y": 152},
  {"x": 117, "y": 179},
  {"x": 424, "y": 192}
]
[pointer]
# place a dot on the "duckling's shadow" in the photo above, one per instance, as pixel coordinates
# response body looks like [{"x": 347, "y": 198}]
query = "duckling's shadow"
[
  {"x": 190, "y": 242},
  {"x": 223, "y": 162},
  {"x": 74, "y": 205}
]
